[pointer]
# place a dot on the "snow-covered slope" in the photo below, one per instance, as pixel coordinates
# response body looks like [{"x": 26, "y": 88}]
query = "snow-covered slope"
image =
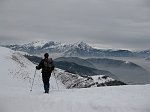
[
  {"x": 15, "y": 82},
  {"x": 17, "y": 71},
  {"x": 109, "y": 99},
  {"x": 14, "y": 67}
]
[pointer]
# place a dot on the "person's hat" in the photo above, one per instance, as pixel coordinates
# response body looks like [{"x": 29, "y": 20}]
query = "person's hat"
[{"x": 46, "y": 55}]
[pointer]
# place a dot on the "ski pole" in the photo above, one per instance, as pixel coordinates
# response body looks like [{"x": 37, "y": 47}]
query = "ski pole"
[
  {"x": 33, "y": 81},
  {"x": 56, "y": 80}
]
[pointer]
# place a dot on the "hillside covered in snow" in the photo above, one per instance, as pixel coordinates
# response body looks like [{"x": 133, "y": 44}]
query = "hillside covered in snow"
[{"x": 15, "y": 96}]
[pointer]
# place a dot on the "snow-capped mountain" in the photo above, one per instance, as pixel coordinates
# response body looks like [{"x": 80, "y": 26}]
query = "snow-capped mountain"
[
  {"x": 38, "y": 47},
  {"x": 80, "y": 49}
]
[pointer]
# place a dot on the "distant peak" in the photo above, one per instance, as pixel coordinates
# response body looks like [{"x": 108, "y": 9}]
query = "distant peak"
[
  {"x": 82, "y": 45},
  {"x": 40, "y": 43}
]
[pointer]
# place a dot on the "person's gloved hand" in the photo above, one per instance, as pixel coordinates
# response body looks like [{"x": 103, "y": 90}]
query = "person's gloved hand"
[{"x": 36, "y": 67}]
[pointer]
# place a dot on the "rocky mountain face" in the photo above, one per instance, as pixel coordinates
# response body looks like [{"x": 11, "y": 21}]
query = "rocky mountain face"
[
  {"x": 79, "y": 49},
  {"x": 76, "y": 81}
]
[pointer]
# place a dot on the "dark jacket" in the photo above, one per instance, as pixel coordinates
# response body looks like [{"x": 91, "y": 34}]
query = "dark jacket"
[{"x": 44, "y": 69}]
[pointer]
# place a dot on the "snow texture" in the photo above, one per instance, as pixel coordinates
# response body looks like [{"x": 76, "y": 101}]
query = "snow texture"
[{"x": 15, "y": 96}]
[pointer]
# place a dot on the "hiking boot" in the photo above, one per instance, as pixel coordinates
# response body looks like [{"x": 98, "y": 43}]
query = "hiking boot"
[{"x": 46, "y": 91}]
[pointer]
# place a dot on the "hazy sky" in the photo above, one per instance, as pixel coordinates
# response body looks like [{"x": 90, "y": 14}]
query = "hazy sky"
[{"x": 103, "y": 23}]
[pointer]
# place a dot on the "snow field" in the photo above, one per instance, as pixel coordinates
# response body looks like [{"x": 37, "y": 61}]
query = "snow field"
[{"x": 104, "y": 99}]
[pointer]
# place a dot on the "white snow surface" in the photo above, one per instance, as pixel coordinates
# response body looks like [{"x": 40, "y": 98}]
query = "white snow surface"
[{"x": 15, "y": 96}]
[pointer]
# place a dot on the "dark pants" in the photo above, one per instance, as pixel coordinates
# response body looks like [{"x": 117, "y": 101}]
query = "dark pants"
[{"x": 46, "y": 78}]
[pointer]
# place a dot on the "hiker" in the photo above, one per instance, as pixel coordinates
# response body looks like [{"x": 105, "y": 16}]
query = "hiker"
[{"x": 47, "y": 67}]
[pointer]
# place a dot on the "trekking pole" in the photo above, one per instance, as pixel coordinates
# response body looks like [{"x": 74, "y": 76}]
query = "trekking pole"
[
  {"x": 33, "y": 81},
  {"x": 56, "y": 80}
]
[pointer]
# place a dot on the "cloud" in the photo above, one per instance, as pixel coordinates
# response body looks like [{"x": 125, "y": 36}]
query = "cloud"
[
  {"x": 147, "y": 3},
  {"x": 115, "y": 23}
]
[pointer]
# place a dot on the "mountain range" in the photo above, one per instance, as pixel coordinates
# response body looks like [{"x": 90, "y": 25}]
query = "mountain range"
[
  {"x": 79, "y": 49},
  {"x": 17, "y": 75},
  {"x": 16, "y": 67},
  {"x": 80, "y": 58},
  {"x": 74, "y": 67},
  {"x": 125, "y": 71}
]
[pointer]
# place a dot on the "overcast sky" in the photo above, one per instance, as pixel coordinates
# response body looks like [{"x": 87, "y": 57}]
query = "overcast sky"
[{"x": 102, "y": 23}]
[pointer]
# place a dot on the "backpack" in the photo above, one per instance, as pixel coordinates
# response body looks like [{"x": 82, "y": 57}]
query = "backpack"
[{"x": 48, "y": 65}]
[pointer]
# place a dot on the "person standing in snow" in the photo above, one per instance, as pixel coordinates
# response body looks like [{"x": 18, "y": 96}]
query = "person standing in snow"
[{"x": 47, "y": 67}]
